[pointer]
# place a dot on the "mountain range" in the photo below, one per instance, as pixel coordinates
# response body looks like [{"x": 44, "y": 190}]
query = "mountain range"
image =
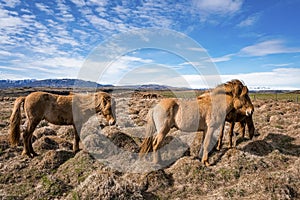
[{"x": 55, "y": 83}]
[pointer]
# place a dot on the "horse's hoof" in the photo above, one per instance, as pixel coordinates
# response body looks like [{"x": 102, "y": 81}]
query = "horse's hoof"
[
  {"x": 206, "y": 163},
  {"x": 76, "y": 151},
  {"x": 24, "y": 153},
  {"x": 35, "y": 154}
]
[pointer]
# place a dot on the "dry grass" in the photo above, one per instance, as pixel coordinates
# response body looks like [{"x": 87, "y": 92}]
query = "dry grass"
[{"x": 267, "y": 167}]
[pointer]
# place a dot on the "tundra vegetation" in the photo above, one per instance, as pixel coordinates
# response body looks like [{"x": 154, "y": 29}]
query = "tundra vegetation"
[{"x": 266, "y": 167}]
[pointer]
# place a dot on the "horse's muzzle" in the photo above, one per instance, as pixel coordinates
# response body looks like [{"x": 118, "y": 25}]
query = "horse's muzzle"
[
  {"x": 112, "y": 122},
  {"x": 249, "y": 112}
]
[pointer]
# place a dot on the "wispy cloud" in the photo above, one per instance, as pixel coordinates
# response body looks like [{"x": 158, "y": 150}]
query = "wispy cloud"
[
  {"x": 12, "y": 68},
  {"x": 277, "y": 65},
  {"x": 209, "y": 8},
  {"x": 222, "y": 59},
  {"x": 11, "y": 3},
  {"x": 280, "y": 78},
  {"x": 197, "y": 49},
  {"x": 248, "y": 21},
  {"x": 266, "y": 48},
  {"x": 44, "y": 8},
  {"x": 219, "y": 6}
]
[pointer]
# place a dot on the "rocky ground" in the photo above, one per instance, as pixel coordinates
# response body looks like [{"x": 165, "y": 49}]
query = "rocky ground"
[{"x": 267, "y": 167}]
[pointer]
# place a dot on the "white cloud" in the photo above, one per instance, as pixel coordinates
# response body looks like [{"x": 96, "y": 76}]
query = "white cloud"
[
  {"x": 60, "y": 62},
  {"x": 12, "y": 3},
  {"x": 222, "y": 59},
  {"x": 266, "y": 48},
  {"x": 197, "y": 49},
  {"x": 44, "y": 8},
  {"x": 13, "y": 76},
  {"x": 278, "y": 65},
  {"x": 7, "y": 20},
  {"x": 249, "y": 21},
  {"x": 12, "y": 68},
  {"x": 217, "y": 7},
  {"x": 280, "y": 78},
  {"x": 79, "y": 3},
  {"x": 5, "y": 53}
]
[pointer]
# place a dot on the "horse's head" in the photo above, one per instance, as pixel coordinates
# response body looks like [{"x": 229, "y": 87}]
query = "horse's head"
[
  {"x": 242, "y": 102},
  {"x": 106, "y": 105}
]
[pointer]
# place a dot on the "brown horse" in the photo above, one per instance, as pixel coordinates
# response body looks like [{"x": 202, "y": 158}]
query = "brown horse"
[
  {"x": 204, "y": 114},
  {"x": 73, "y": 109},
  {"x": 243, "y": 120},
  {"x": 235, "y": 116}
]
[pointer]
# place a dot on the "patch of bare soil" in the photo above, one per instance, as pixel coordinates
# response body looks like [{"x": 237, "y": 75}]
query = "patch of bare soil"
[{"x": 266, "y": 167}]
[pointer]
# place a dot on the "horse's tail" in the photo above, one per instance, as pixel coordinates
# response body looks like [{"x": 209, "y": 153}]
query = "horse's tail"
[
  {"x": 147, "y": 144},
  {"x": 15, "y": 121}
]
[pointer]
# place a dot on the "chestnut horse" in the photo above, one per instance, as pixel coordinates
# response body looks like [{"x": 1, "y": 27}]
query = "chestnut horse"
[
  {"x": 73, "y": 109},
  {"x": 235, "y": 116},
  {"x": 204, "y": 114}
]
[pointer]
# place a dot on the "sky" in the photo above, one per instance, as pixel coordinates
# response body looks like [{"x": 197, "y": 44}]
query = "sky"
[{"x": 177, "y": 43}]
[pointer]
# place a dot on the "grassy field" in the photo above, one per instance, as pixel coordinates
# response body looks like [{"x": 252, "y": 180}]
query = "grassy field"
[
  {"x": 266, "y": 95},
  {"x": 278, "y": 96},
  {"x": 295, "y": 97}
]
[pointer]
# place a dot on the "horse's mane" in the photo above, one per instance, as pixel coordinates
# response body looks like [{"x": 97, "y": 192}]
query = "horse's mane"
[
  {"x": 85, "y": 101},
  {"x": 228, "y": 88}
]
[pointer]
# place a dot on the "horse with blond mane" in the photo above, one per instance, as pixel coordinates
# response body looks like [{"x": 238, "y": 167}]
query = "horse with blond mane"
[
  {"x": 74, "y": 109},
  {"x": 204, "y": 114},
  {"x": 232, "y": 117}
]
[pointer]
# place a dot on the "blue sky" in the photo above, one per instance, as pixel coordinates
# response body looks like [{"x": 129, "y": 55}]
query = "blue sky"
[{"x": 256, "y": 41}]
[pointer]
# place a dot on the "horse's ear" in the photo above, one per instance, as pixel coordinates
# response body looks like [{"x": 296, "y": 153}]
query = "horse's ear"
[
  {"x": 244, "y": 91},
  {"x": 228, "y": 88},
  {"x": 98, "y": 100}
]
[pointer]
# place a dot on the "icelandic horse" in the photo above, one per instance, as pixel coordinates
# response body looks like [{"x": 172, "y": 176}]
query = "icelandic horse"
[
  {"x": 73, "y": 109},
  {"x": 205, "y": 114}
]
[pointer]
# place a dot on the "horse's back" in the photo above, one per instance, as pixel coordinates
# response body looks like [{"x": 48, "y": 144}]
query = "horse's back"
[
  {"x": 56, "y": 109},
  {"x": 189, "y": 117}
]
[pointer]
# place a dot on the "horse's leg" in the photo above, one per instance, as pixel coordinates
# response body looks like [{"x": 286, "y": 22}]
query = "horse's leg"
[
  {"x": 206, "y": 143},
  {"x": 231, "y": 133},
  {"x": 158, "y": 140},
  {"x": 250, "y": 124},
  {"x": 242, "y": 125},
  {"x": 27, "y": 136},
  {"x": 221, "y": 137},
  {"x": 76, "y": 138}
]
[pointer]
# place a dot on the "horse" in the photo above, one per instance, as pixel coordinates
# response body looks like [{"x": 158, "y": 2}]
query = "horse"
[
  {"x": 73, "y": 109},
  {"x": 232, "y": 117},
  {"x": 242, "y": 120},
  {"x": 202, "y": 114}
]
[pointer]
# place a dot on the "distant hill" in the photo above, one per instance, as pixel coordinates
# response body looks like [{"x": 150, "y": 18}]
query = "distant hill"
[
  {"x": 55, "y": 83},
  {"x": 147, "y": 87},
  {"x": 70, "y": 83}
]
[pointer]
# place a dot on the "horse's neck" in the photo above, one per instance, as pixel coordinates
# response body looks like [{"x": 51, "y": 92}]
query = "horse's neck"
[
  {"x": 221, "y": 104},
  {"x": 85, "y": 102}
]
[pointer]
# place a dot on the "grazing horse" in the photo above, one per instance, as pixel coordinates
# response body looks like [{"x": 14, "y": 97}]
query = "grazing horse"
[
  {"x": 232, "y": 117},
  {"x": 73, "y": 109},
  {"x": 243, "y": 120},
  {"x": 204, "y": 114}
]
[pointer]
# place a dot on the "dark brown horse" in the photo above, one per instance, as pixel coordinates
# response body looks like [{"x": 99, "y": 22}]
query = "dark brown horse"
[{"x": 242, "y": 120}]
